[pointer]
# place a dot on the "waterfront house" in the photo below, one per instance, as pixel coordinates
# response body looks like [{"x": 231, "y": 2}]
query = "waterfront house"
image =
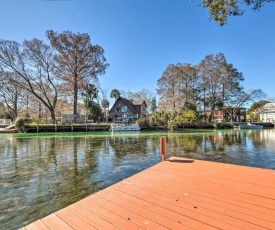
[
  {"x": 228, "y": 113},
  {"x": 128, "y": 108},
  {"x": 267, "y": 112}
]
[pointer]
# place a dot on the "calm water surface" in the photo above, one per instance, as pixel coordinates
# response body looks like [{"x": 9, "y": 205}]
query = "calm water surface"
[{"x": 42, "y": 173}]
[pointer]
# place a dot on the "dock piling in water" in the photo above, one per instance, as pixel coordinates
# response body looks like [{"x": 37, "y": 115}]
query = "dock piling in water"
[{"x": 163, "y": 147}]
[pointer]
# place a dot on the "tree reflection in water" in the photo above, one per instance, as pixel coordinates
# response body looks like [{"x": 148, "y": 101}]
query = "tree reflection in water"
[{"x": 42, "y": 173}]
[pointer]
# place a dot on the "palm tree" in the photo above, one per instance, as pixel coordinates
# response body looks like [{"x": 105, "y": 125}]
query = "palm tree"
[
  {"x": 105, "y": 104},
  {"x": 115, "y": 94},
  {"x": 90, "y": 93}
]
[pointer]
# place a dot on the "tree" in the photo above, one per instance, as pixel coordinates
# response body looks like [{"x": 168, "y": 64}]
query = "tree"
[
  {"x": 154, "y": 104},
  {"x": 30, "y": 67},
  {"x": 161, "y": 118},
  {"x": 186, "y": 116},
  {"x": 102, "y": 93},
  {"x": 90, "y": 93},
  {"x": 178, "y": 86},
  {"x": 241, "y": 98},
  {"x": 210, "y": 73},
  {"x": 125, "y": 93},
  {"x": 78, "y": 61},
  {"x": 258, "y": 104},
  {"x": 115, "y": 94},
  {"x": 105, "y": 105},
  {"x": 188, "y": 87},
  {"x": 220, "y": 10},
  {"x": 168, "y": 90},
  {"x": 10, "y": 95},
  {"x": 253, "y": 112},
  {"x": 220, "y": 81},
  {"x": 95, "y": 111},
  {"x": 2, "y": 111},
  {"x": 145, "y": 94}
]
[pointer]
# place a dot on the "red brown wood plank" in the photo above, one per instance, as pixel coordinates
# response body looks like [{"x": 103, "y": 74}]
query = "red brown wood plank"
[
  {"x": 218, "y": 213},
  {"x": 218, "y": 191},
  {"x": 37, "y": 225},
  {"x": 164, "y": 212},
  {"x": 140, "y": 220},
  {"x": 208, "y": 172},
  {"x": 124, "y": 223},
  {"x": 205, "y": 187},
  {"x": 234, "y": 181},
  {"x": 189, "y": 211},
  {"x": 193, "y": 199},
  {"x": 91, "y": 217},
  {"x": 74, "y": 220},
  {"x": 54, "y": 222},
  {"x": 198, "y": 188},
  {"x": 177, "y": 194},
  {"x": 139, "y": 207}
]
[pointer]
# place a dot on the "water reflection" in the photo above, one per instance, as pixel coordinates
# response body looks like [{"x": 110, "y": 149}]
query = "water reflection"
[
  {"x": 40, "y": 174},
  {"x": 244, "y": 147}
]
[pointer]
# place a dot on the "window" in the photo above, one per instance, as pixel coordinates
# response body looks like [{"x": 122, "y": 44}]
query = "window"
[{"x": 124, "y": 109}]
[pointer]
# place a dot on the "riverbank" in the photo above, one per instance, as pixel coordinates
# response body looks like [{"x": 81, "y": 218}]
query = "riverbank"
[
  {"x": 3, "y": 130},
  {"x": 105, "y": 127}
]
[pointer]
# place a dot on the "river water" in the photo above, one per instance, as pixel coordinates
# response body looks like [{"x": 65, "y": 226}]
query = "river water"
[{"x": 42, "y": 173}]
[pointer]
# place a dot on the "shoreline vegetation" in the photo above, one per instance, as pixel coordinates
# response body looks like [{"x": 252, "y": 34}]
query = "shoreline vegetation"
[{"x": 92, "y": 127}]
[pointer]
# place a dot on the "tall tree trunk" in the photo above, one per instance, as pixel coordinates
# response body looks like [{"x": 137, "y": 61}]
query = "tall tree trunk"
[
  {"x": 204, "y": 102},
  {"x": 27, "y": 101},
  {"x": 52, "y": 116},
  {"x": 16, "y": 104},
  {"x": 75, "y": 99},
  {"x": 39, "y": 110}
]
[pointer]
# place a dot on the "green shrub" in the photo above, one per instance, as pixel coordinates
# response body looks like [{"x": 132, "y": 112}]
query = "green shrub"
[
  {"x": 143, "y": 121},
  {"x": 161, "y": 118},
  {"x": 172, "y": 125},
  {"x": 21, "y": 122}
]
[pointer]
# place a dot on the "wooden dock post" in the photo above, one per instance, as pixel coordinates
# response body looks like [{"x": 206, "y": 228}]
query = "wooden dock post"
[{"x": 163, "y": 147}]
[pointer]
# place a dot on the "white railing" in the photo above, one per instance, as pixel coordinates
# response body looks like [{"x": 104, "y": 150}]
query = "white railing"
[{"x": 5, "y": 121}]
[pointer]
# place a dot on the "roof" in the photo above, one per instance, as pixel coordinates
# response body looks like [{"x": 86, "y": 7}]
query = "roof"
[
  {"x": 129, "y": 104},
  {"x": 269, "y": 107},
  {"x": 139, "y": 102}
]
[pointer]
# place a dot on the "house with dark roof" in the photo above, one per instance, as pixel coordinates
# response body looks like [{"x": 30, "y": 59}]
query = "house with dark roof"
[{"x": 128, "y": 108}]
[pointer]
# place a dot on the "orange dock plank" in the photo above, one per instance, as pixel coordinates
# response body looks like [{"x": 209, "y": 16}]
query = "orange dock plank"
[
  {"x": 113, "y": 217},
  {"x": 37, "y": 225},
  {"x": 176, "y": 194}
]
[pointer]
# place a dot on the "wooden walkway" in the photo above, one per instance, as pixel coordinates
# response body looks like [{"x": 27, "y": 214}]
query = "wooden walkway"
[{"x": 176, "y": 194}]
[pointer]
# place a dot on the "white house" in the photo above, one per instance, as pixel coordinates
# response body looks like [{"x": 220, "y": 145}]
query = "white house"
[{"x": 267, "y": 112}]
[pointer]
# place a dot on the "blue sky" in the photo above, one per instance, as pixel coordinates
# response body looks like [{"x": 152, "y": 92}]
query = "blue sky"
[{"x": 142, "y": 37}]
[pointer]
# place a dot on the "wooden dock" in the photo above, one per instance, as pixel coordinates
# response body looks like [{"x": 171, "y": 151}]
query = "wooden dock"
[{"x": 176, "y": 194}]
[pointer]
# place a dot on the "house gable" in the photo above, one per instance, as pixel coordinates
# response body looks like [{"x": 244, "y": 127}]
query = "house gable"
[
  {"x": 124, "y": 107},
  {"x": 267, "y": 112}
]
